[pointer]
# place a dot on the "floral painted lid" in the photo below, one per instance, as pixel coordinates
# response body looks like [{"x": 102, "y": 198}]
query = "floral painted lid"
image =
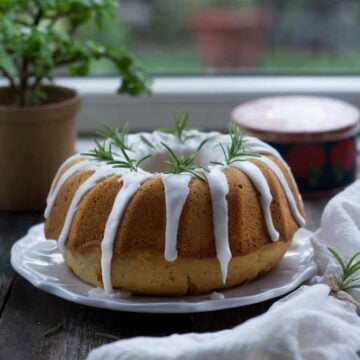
[{"x": 297, "y": 118}]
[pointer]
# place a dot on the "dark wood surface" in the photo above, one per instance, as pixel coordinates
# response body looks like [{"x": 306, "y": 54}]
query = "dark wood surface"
[{"x": 26, "y": 312}]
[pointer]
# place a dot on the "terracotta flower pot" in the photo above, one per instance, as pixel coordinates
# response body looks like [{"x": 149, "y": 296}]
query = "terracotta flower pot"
[
  {"x": 231, "y": 38},
  {"x": 34, "y": 141}
]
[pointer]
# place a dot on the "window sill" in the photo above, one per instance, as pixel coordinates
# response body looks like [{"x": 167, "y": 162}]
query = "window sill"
[{"x": 208, "y": 99}]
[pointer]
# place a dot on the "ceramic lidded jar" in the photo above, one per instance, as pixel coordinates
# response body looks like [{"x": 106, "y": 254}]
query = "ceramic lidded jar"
[{"x": 315, "y": 135}]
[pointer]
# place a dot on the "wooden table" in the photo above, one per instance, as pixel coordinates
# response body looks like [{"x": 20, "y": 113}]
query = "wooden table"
[{"x": 26, "y": 312}]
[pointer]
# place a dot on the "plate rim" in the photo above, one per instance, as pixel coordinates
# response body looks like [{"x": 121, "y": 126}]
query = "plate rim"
[{"x": 165, "y": 307}]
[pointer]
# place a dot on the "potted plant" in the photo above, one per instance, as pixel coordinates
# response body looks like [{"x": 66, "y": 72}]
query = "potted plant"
[
  {"x": 230, "y": 33},
  {"x": 37, "y": 120}
]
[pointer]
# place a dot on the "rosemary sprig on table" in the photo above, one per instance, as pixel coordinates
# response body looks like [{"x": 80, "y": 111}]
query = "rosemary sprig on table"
[
  {"x": 101, "y": 153},
  {"x": 347, "y": 281},
  {"x": 107, "y": 336},
  {"x": 236, "y": 150},
  {"x": 183, "y": 164},
  {"x": 180, "y": 127},
  {"x": 54, "y": 330},
  {"x": 119, "y": 138}
]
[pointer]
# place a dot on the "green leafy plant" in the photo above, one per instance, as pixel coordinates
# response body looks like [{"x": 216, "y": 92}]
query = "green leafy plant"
[
  {"x": 183, "y": 164},
  {"x": 236, "y": 150},
  {"x": 347, "y": 281},
  {"x": 39, "y": 36},
  {"x": 181, "y": 129}
]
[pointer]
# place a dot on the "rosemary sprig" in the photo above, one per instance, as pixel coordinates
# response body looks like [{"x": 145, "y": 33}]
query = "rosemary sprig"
[
  {"x": 180, "y": 127},
  {"x": 101, "y": 153},
  {"x": 203, "y": 143},
  {"x": 54, "y": 330},
  {"x": 236, "y": 150},
  {"x": 119, "y": 138},
  {"x": 147, "y": 142},
  {"x": 181, "y": 164},
  {"x": 107, "y": 336},
  {"x": 347, "y": 281}
]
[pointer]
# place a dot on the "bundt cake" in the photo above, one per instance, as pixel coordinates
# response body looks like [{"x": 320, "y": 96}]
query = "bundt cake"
[{"x": 173, "y": 212}]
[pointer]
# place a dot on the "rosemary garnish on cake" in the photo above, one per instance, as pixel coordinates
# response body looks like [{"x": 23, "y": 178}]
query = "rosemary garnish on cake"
[
  {"x": 180, "y": 131},
  {"x": 236, "y": 150},
  {"x": 103, "y": 153},
  {"x": 347, "y": 281},
  {"x": 183, "y": 164},
  {"x": 147, "y": 142},
  {"x": 119, "y": 138}
]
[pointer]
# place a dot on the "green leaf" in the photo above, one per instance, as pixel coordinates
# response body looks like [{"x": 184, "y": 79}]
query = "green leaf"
[
  {"x": 182, "y": 164},
  {"x": 203, "y": 143},
  {"x": 348, "y": 269},
  {"x": 107, "y": 336},
  {"x": 54, "y": 330},
  {"x": 166, "y": 130},
  {"x": 146, "y": 141},
  {"x": 338, "y": 258},
  {"x": 351, "y": 260},
  {"x": 39, "y": 37},
  {"x": 80, "y": 69}
]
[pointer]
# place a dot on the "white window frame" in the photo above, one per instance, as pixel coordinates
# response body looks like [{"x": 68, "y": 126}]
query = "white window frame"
[{"x": 208, "y": 99}]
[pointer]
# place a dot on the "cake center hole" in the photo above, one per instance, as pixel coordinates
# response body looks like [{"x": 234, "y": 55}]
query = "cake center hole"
[{"x": 157, "y": 162}]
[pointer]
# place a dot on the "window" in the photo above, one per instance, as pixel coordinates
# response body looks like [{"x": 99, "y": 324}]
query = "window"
[
  {"x": 207, "y": 56},
  {"x": 237, "y": 36}
]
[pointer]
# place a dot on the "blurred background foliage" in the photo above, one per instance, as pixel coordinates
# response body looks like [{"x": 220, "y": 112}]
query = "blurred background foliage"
[{"x": 303, "y": 36}]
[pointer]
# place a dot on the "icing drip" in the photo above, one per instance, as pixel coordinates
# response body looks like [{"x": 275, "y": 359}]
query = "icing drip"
[
  {"x": 288, "y": 193},
  {"x": 101, "y": 294},
  {"x": 216, "y": 296},
  {"x": 67, "y": 174},
  {"x": 80, "y": 193},
  {"x": 61, "y": 168},
  {"x": 259, "y": 146},
  {"x": 219, "y": 188},
  {"x": 176, "y": 187},
  {"x": 259, "y": 181},
  {"x": 131, "y": 183}
]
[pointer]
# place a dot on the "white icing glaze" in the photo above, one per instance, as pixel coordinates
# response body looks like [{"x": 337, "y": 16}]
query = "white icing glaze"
[
  {"x": 68, "y": 173},
  {"x": 131, "y": 183},
  {"x": 216, "y": 296},
  {"x": 101, "y": 294},
  {"x": 176, "y": 187},
  {"x": 260, "y": 183},
  {"x": 288, "y": 193},
  {"x": 61, "y": 168},
  {"x": 85, "y": 187},
  {"x": 219, "y": 188},
  {"x": 261, "y": 147}
]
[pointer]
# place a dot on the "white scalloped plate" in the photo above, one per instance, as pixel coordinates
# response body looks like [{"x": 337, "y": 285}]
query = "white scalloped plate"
[{"x": 39, "y": 261}]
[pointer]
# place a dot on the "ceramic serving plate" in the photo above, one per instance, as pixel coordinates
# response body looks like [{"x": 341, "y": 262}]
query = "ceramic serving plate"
[{"x": 39, "y": 261}]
